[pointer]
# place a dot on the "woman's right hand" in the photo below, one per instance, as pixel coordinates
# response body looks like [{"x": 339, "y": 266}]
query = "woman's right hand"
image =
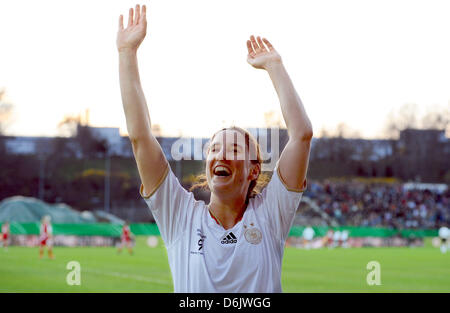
[{"x": 129, "y": 39}]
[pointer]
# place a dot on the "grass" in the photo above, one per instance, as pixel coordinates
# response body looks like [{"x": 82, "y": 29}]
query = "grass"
[{"x": 325, "y": 270}]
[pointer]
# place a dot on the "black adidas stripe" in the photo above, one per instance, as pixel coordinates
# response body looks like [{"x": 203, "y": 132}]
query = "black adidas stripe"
[{"x": 230, "y": 236}]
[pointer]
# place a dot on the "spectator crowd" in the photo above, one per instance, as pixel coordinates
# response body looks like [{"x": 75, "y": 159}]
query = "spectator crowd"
[{"x": 381, "y": 204}]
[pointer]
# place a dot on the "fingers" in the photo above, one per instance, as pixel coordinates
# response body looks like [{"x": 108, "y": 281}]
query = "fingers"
[
  {"x": 254, "y": 43},
  {"x": 255, "y": 46},
  {"x": 137, "y": 15},
  {"x": 258, "y": 44},
  {"x": 261, "y": 45},
  {"x": 130, "y": 17},
  {"x": 268, "y": 44},
  {"x": 144, "y": 15},
  {"x": 250, "y": 49},
  {"x": 121, "y": 22}
]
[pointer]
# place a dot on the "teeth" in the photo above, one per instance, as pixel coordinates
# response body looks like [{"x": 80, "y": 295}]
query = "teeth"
[{"x": 221, "y": 169}]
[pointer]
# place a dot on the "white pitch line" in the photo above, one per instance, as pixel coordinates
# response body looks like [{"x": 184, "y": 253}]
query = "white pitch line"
[
  {"x": 113, "y": 274},
  {"x": 127, "y": 276}
]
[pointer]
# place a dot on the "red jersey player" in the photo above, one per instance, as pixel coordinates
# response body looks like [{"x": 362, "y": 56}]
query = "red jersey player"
[
  {"x": 328, "y": 239},
  {"x": 5, "y": 235},
  {"x": 45, "y": 238},
  {"x": 126, "y": 239}
]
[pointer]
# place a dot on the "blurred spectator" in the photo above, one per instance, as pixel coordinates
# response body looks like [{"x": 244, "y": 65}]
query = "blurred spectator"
[
  {"x": 381, "y": 204},
  {"x": 444, "y": 234},
  {"x": 308, "y": 235}
]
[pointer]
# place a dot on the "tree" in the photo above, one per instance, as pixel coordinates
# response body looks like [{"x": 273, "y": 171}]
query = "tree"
[
  {"x": 6, "y": 110},
  {"x": 91, "y": 146},
  {"x": 273, "y": 119},
  {"x": 408, "y": 116},
  {"x": 68, "y": 125},
  {"x": 405, "y": 117},
  {"x": 156, "y": 130},
  {"x": 436, "y": 118},
  {"x": 344, "y": 131},
  {"x": 341, "y": 130}
]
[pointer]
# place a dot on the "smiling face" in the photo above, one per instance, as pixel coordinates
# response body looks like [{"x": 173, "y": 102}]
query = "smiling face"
[{"x": 229, "y": 169}]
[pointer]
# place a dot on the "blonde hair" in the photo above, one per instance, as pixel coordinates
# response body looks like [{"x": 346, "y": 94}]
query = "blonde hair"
[{"x": 252, "y": 145}]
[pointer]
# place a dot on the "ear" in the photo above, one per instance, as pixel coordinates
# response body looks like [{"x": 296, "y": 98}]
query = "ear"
[{"x": 254, "y": 171}]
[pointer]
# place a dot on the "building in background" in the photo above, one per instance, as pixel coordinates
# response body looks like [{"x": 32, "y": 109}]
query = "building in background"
[{"x": 420, "y": 155}]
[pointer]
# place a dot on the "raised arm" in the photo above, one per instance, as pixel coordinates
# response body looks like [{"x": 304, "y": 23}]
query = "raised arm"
[
  {"x": 293, "y": 163},
  {"x": 149, "y": 157}
]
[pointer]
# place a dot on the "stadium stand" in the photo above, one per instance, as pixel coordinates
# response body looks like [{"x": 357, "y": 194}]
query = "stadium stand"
[{"x": 377, "y": 205}]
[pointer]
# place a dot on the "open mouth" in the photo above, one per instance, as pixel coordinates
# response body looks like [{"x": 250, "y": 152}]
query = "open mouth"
[{"x": 221, "y": 171}]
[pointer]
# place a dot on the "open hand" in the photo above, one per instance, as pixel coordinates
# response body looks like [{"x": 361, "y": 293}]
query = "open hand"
[
  {"x": 260, "y": 56},
  {"x": 131, "y": 37}
]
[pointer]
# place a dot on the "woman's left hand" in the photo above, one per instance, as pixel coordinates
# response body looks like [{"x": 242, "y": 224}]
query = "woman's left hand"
[{"x": 260, "y": 56}]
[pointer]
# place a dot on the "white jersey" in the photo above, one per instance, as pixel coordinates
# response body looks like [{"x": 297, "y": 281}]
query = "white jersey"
[
  {"x": 46, "y": 230},
  {"x": 308, "y": 233},
  {"x": 5, "y": 229},
  {"x": 344, "y": 235},
  {"x": 204, "y": 257},
  {"x": 444, "y": 232},
  {"x": 337, "y": 235}
]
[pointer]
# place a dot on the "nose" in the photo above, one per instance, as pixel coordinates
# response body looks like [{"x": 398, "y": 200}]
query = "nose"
[{"x": 222, "y": 155}]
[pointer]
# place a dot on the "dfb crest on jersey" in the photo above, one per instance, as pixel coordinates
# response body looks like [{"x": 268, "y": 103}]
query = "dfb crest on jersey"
[{"x": 252, "y": 234}]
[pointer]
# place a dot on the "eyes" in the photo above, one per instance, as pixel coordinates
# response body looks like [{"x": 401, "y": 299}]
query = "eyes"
[{"x": 234, "y": 149}]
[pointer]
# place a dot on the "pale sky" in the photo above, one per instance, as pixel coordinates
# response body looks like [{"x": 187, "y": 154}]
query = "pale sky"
[{"x": 350, "y": 61}]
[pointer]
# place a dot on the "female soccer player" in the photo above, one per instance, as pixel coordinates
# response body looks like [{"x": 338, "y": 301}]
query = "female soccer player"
[
  {"x": 5, "y": 235},
  {"x": 45, "y": 238},
  {"x": 126, "y": 239},
  {"x": 236, "y": 243}
]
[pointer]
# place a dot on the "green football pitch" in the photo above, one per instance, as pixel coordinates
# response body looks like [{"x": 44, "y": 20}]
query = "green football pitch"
[{"x": 423, "y": 269}]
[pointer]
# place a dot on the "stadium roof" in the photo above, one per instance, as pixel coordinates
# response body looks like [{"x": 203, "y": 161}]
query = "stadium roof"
[{"x": 31, "y": 210}]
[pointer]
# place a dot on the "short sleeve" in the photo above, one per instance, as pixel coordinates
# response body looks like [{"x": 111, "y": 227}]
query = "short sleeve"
[
  {"x": 278, "y": 204},
  {"x": 171, "y": 206}
]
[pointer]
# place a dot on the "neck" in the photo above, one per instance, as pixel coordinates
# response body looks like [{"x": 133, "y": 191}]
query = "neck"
[{"x": 228, "y": 212}]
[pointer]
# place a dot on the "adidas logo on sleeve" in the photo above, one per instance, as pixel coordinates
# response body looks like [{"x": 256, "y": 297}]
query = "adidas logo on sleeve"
[{"x": 229, "y": 239}]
